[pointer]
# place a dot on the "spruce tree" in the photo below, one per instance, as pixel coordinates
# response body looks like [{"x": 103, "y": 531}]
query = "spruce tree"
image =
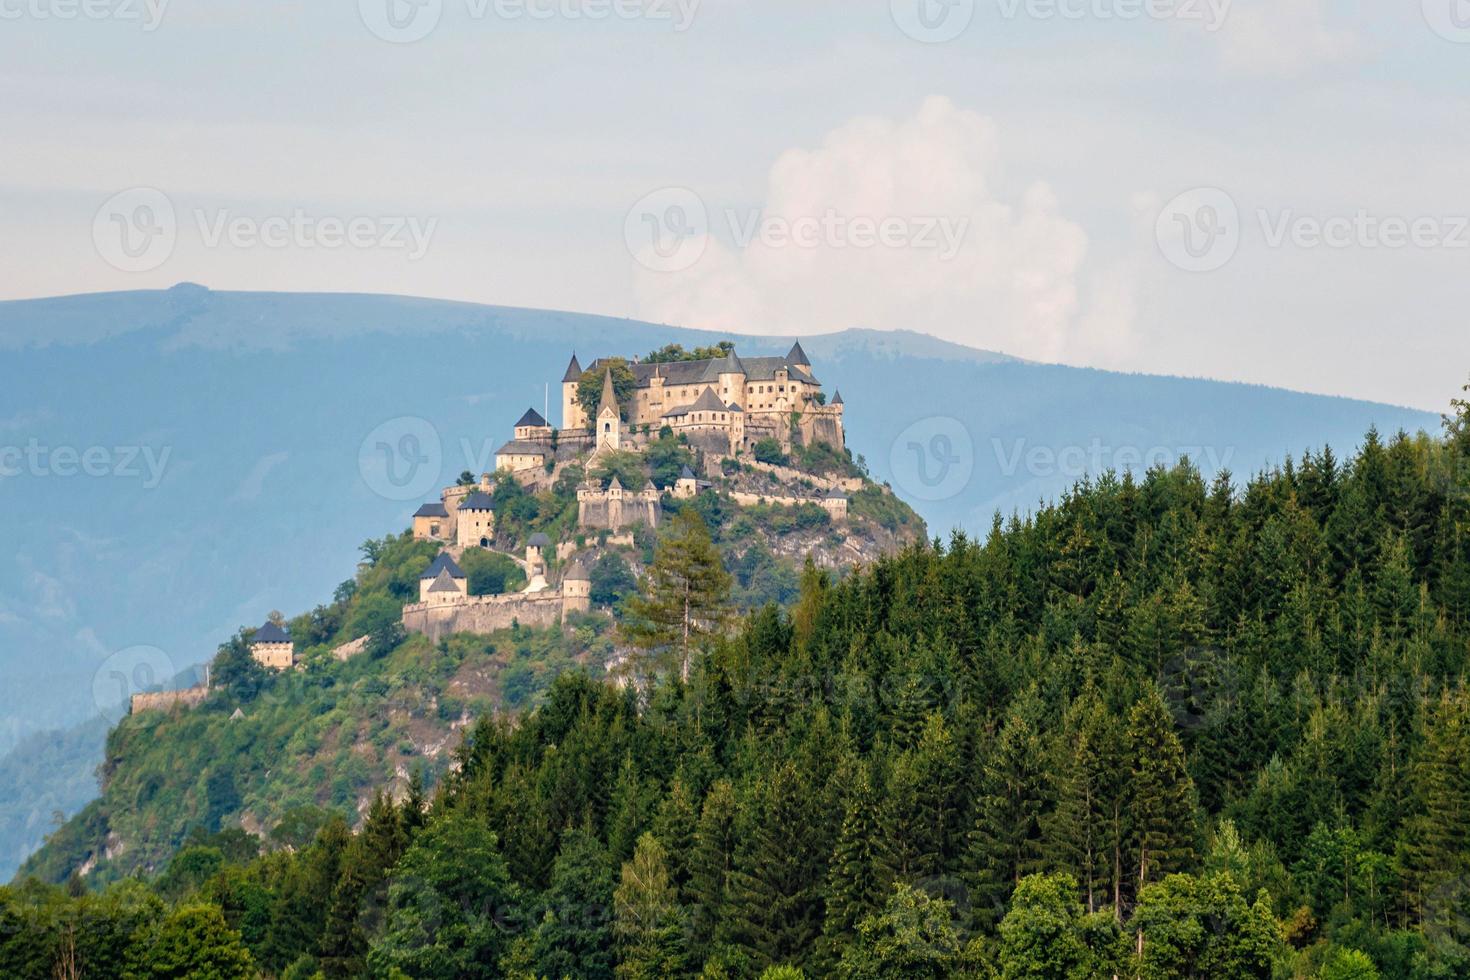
[
  {"x": 683, "y": 598},
  {"x": 1161, "y": 794}
]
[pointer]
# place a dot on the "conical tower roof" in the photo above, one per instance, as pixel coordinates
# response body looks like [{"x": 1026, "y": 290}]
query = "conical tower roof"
[{"x": 609, "y": 396}]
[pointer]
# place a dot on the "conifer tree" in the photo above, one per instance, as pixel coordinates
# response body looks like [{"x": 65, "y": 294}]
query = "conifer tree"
[
  {"x": 854, "y": 888},
  {"x": 683, "y": 598},
  {"x": 1160, "y": 791},
  {"x": 648, "y": 926}
]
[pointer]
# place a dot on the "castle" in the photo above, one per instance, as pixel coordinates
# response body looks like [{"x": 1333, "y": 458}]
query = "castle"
[{"x": 720, "y": 407}]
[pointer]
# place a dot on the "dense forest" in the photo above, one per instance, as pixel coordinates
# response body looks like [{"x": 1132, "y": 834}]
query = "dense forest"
[{"x": 1161, "y": 728}]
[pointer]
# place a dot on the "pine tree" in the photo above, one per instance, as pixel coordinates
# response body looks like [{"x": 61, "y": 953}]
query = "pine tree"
[
  {"x": 774, "y": 907},
  {"x": 648, "y": 925},
  {"x": 1161, "y": 794},
  {"x": 1005, "y": 844},
  {"x": 685, "y": 595},
  {"x": 710, "y": 865},
  {"x": 854, "y": 888}
]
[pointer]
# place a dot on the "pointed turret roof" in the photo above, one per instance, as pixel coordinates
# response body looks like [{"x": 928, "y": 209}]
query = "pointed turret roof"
[
  {"x": 443, "y": 563},
  {"x": 615, "y": 483},
  {"x": 837, "y": 398},
  {"x": 531, "y": 418},
  {"x": 577, "y": 573},
  {"x": 686, "y": 473},
  {"x": 574, "y": 371},
  {"x": 271, "y": 633},
  {"x": 798, "y": 356},
  {"x": 609, "y": 396},
  {"x": 444, "y": 582}
]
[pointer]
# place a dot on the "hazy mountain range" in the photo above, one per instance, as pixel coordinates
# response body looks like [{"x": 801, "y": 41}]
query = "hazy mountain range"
[{"x": 176, "y": 464}]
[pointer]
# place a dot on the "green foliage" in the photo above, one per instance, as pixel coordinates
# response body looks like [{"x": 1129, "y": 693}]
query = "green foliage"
[
  {"x": 685, "y": 595},
  {"x": 769, "y": 451},
  {"x": 589, "y": 388},
  {"x": 491, "y": 573},
  {"x": 626, "y": 466},
  {"x": 1160, "y": 729},
  {"x": 676, "y": 352},
  {"x": 612, "y": 579}
]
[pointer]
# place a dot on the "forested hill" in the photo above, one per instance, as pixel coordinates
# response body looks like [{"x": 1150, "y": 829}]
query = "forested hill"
[{"x": 1171, "y": 728}]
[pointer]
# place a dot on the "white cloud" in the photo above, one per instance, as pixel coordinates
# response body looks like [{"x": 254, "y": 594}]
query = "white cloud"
[
  {"x": 1014, "y": 283},
  {"x": 1281, "y": 37}
]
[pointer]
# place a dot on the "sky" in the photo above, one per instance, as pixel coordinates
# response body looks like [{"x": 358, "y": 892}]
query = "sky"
[{"x": 1270, "y": 191}]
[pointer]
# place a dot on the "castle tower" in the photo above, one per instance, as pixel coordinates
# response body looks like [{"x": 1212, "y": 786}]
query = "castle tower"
[
  {"x": 442, "y": 565},
  {"x": 609, "y": 422},
  {"x": 536, "y": 551},
  {"x": 572, "y": 416},
  {"x": 271, "y": 647},
  {"x": 686, "y": 486},
  {"x": 576, "y": 590},
  {"x": 476, "y": 521}
]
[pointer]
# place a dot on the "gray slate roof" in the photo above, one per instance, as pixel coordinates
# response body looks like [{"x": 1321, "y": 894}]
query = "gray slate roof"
[
  {"x": 522, "y": 447},
  {"x": 444, "y": 582},
  {"x": 577, "y": 573},
  {"x": 442, "y": 564},
  {"x": 574, "y": 370},
  {"x": 431, "y": 510},
  {"x": 532, "y": 418},
  {"x": 539, "y": 540},
  {"x": 477, "y": 501},
  {"x": 271, "y": 633}
]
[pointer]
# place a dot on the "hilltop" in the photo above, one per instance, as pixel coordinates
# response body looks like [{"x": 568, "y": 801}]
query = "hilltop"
[
  {"x": 252, "y": 407},
  {"x": 500, "y": 585}
]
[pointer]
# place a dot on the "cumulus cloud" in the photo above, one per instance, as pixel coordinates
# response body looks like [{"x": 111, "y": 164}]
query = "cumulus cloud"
[
  {"x": 1281, "y": 37},
  {"x": 901, "y": 224}
]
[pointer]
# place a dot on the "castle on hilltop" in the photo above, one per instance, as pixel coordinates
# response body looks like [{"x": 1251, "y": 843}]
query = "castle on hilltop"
[{"x": 722, "y": 405}]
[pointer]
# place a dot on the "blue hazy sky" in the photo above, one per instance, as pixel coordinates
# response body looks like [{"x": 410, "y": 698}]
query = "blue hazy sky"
[{"x": 1051, "y": 135}]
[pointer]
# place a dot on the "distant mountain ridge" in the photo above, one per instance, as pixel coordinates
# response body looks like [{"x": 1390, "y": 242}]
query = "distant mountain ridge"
[{"x": 261, "y": 402}]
